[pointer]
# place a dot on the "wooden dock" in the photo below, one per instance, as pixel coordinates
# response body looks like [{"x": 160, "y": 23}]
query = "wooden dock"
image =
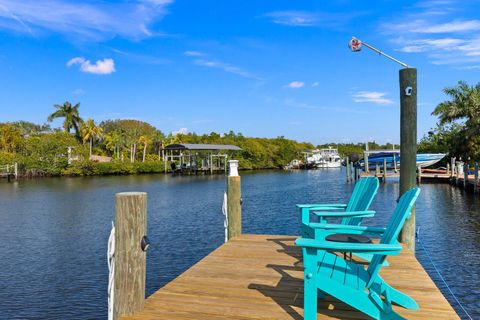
[
  {"x": 261, "y": 277},
  {"x": 9, "y": 171},
  {"x": 425, "y": 176}
]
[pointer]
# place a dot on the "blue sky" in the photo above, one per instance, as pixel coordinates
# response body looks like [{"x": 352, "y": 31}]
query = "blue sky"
[{"x": 262, "y": 68}]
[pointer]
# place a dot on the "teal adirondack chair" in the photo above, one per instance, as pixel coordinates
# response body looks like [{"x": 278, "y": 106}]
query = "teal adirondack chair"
[
  {"x": 356, "y": 285},
  {"x": 353, "y": 212}
]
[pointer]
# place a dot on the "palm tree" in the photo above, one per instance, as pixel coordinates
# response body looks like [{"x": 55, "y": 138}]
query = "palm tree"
[
  {"x": 463, "y": 105},
  {"x": 70, "y": 113},
  {"x": 464, "y": 108},
  {"x": 131, "y": 137},
  {"x": 144, "y": 140},
  {"x": 113, "y": 141},
  {"x": 89, "y": 132}
]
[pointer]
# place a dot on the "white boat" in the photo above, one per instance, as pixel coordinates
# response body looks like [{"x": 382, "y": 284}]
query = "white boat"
[
  {"x": 329, "y": 159},
  {"x": 323, "y": 158}
]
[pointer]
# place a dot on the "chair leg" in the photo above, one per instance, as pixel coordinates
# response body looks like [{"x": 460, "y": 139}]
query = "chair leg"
[
  {"x": 310, "y": 285},
  {"x": 399, "y": 297},
  {"x": 310, "y": 300}
]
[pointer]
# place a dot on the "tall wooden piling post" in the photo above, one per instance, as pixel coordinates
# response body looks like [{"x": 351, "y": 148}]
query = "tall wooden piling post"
[
  {"x": 465, "y": 175},
  {"x": 419, "y": 173},
  {"x": 457, "y": 176},
  {"x": 16, "y": 171},
  {"x": 347, "y": 170},
  {"x": 475, "y": 179},
  {"x": 365, "y": 157},
  {"x": 357, "y": 171},
  {"x": 408, "y": 145},
  {"x": 130, "y": 259},
  {"x": 384, "y": 170},
  {"x": 452, "y": 160},
  {"x": 234, "y": 206}
]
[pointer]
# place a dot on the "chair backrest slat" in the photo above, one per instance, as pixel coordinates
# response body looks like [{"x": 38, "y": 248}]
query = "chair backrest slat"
[
  {"x": 361, "y": 199},
  {"x": 395, "y": 225}
]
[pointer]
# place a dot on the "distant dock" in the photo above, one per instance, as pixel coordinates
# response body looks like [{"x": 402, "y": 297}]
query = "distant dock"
[
  {"x": 425, "y": 175},
  {"x": 9, "y": 171}
]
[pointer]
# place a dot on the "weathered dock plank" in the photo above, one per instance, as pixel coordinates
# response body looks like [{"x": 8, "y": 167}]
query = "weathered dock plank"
[{"x": 261, "y": 277}]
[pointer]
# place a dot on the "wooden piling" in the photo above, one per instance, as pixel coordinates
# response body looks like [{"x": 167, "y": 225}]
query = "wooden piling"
[
  {"x": 350, "y": 171},
  {"x": 452, "y": 160},
  {"x": 347, "y": 166},
  {"x": 408, "y": 145},
  {"x": 457, "y": 175},
  {"x": 377, "y": 171},
  {"x": 465, "y": 175},
  {"x": 365, "y": 158},
  {"x": 130, "y": 259},
  {"x": 16, "y": 171},
  {"x": 395, "y": 163},
  {"x": 357, "y": 172},
  {"x": 419, "y": 174},
  {"x": 234, "y": 205},
  {"x": 475, "y": 179},
  {"x": 384, "y": 170}
]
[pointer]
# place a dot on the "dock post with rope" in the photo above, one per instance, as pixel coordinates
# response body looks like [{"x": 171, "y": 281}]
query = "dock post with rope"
[{"x": 127, "y": 255}]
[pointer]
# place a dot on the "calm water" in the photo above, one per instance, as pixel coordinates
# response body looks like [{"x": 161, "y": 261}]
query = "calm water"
[{"x": 53, "y": 233}]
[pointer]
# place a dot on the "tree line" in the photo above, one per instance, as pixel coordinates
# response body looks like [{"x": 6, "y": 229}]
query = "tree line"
[{"x": 136, "y": 146}]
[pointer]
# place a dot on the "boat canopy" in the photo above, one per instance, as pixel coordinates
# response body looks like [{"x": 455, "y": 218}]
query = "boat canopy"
[{"x": 202, "y": 146}]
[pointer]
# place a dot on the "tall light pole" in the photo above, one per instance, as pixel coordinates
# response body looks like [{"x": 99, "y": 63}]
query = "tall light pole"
[{"x": 408, "y": 134}]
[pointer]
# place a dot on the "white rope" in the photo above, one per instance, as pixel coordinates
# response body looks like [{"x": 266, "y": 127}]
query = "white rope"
[
  {"x": 225, "y": 215},
  {"x": 111, "y": 270}
]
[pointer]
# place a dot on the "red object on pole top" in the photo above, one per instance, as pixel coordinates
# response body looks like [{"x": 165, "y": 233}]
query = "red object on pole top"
[{"x": 355, "y": 45}]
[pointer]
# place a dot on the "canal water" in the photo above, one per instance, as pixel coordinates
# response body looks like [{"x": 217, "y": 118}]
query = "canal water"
[{"x": 53, "y": 233}]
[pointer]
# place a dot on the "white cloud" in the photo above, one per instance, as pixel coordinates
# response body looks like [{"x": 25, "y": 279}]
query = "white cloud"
[
  {"x": 105, "y": 66},
  {"x": 295, "y": 84},
  {"x": 445, "y": 39},
  {"x": 293, "y": 18},
  {"x": 332, "y": 20},
  {"x": 315, "y": 84},
  {"x": 78, "y": 92},
  {"x": 142, "y": 58},
  {"x": 449, "y": 27},
  {"x": 83, "y": 20},
  {"x": 193, "y": 54},
  {"x": 371, "y": 96},
  {"x": 180, "y": 131},
  {"x": 227, "y": 67},
  {"x": 423, "y": 45}
]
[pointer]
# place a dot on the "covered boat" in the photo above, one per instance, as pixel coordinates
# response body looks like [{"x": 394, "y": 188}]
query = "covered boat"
[{"x": 393, "y": 158}]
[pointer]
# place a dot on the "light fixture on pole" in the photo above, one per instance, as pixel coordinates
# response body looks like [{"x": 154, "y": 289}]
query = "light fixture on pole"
[
  {"x": 356, "y": 45},
  {"x": 408, "y": 133}
]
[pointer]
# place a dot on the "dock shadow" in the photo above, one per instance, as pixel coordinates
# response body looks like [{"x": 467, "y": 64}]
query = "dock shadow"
[
  {"x": 288, "y": 292},
  {"x": 287, "y": 246}
]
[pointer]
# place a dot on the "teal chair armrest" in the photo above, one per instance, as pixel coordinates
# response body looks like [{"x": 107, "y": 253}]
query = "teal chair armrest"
[
  {"x": 375, "y": 248},
  {"x": 333, "y": 205},
  {"x": 342, "y": 228},
  {"x": 366, "y": 213}
]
